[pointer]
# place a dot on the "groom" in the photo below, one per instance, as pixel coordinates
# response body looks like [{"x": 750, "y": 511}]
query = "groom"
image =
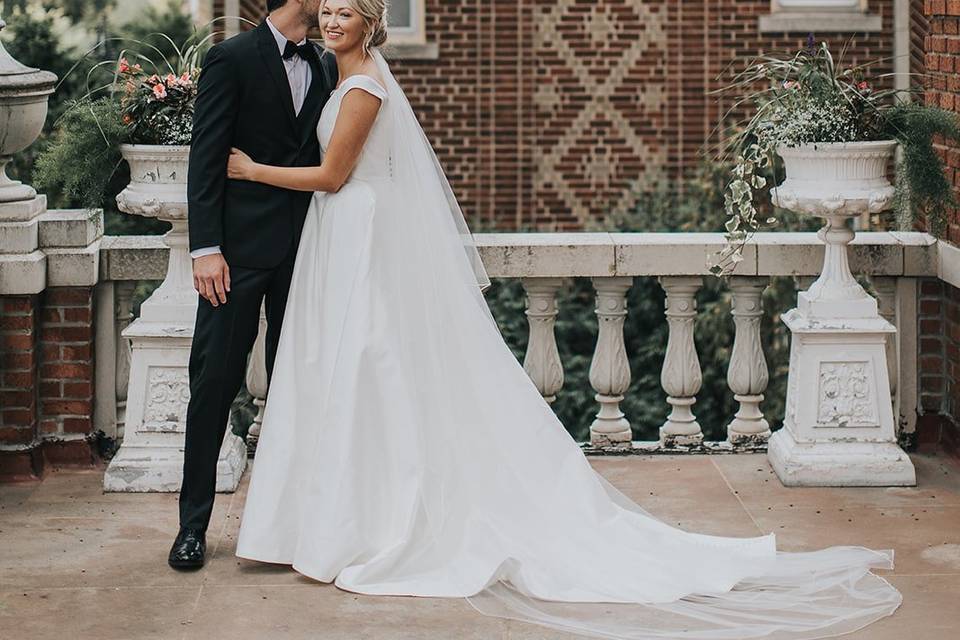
[{"x": 260, "y": 91}]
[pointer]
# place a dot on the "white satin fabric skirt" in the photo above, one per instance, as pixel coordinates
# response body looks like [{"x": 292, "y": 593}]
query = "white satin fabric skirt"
[{"x": 404, "y": 451}]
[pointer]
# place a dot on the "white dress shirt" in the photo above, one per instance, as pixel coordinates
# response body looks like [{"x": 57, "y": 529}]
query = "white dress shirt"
[{"x": 299, "y": 75}]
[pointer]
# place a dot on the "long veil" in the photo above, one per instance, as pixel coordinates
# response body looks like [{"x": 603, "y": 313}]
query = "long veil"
[
  {"x": 788, "y": 596},
  {"x": 421, "y": 179}
]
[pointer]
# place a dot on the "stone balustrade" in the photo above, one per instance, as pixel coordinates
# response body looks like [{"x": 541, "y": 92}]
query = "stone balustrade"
[{"x": 544, "y": 263}]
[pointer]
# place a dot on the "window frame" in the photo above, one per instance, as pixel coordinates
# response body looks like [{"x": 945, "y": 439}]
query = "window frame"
[
  {"x": 818, "y": 6},
  {"x": 799, "y": 16},
  {"x": 414, "y": 34}
]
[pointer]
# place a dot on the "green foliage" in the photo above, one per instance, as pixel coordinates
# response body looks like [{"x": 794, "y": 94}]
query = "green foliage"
[
  {"x": 923, "y": 191},
  {"x": 693, "y": 203},
  {"x": 83, "y": 156}
]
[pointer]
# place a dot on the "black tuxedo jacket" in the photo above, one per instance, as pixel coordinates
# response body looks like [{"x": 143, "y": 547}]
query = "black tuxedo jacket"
[{"x": 244, "y": 101}]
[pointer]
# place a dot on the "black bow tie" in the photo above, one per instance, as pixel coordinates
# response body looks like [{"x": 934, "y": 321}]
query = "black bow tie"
[{"x": 304, "y": 50}]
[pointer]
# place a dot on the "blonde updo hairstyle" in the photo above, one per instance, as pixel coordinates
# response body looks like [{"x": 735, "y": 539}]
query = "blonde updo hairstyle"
[{"x": 374, "y": 14}]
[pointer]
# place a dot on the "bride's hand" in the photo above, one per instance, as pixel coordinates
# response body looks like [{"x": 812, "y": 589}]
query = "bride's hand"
[{"x": 240, "y": 166}]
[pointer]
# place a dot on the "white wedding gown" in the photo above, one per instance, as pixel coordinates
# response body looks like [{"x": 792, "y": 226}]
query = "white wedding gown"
[{"x": 404, "y": 451}]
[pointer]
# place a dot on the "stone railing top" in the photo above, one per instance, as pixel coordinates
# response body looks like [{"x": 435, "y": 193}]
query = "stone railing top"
[
  {"x": 507, "y": 255},
  {"x": 133, "y": 258},
  {"x": 514, "y": 255}
]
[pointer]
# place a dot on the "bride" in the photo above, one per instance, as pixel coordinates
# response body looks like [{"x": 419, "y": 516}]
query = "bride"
[{"x": 404, "y": 450}]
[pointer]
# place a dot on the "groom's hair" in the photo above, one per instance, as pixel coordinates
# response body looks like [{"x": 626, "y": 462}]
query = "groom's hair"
[{"x": 275, "y": 4}]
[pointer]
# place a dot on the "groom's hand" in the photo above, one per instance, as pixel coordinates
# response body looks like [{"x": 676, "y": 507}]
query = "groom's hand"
[{"x": 211, "y": 278}]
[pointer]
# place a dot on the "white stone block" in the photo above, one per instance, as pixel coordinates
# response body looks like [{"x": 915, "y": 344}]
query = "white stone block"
[
  {"x": 70, "y": 227},
  {"x": 133, "y": 258},
  {"x": 948, "y": 266},
  {"x": 675, "y": 254},
  {"x": 73, "y": 267},
  {"x": 788, "y": 254},
  {"x": 839, "y": 464},
  {"x": 23, "y": 274},
  {"x": 546, "y": 255},
  {"x": 876, "y": 253},
  {"x": 23, "y": 210},
  {"x": 19, "y": 237},
  {"x": 919, "y": 253}
]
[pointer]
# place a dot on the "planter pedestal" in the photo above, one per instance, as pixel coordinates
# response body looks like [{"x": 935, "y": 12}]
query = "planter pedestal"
[
  {"x": 839, "y": 428},
  {"x": 151, "y": 455}
]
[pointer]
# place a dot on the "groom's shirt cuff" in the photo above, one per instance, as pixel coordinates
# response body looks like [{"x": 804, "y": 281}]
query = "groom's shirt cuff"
[{"x": 205, "y": 251}]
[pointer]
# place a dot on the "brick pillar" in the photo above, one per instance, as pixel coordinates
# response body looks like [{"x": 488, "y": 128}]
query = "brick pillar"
[
  {"x": 46, "y": 337},
  {"x": 19, "y": 360},
  {"x": 66, "y": 374},
  {"x": 46, "y": 381}
]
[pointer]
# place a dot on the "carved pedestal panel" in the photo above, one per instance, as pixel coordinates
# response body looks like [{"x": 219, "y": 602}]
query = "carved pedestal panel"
[
  {"x": 151, "y": 456},
  {"x": 839, "y": 428}
]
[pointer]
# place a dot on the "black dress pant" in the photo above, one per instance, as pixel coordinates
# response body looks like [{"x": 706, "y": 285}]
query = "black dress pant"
[{"x": 222, "y": 341}]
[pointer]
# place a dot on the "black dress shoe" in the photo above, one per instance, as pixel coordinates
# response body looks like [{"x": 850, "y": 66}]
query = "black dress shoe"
[{"x": 188, "y": 549}]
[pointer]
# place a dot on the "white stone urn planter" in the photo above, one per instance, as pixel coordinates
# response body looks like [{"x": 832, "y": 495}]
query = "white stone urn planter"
[
  {"x": 23, "y": 110},
  {"x": 838, "y": 429},
  {"x": 158, "y": 189},
  {"x": 151, "y": 455}
]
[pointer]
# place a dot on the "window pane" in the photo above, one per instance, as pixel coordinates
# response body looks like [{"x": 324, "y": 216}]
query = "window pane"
[{"x": 400, "y": 13}]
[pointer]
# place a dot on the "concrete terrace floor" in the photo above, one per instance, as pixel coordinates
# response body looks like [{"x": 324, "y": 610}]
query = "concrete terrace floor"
[{"x": 78, "y": 563}]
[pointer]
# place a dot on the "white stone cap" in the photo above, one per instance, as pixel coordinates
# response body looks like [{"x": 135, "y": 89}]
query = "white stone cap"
[
  {"x": 70, "y": 227},
  {"x": 23, "y": 274}
]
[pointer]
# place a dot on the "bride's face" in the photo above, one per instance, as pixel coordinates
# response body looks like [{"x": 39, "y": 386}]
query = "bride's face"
[{"x": 341, "y": 26}]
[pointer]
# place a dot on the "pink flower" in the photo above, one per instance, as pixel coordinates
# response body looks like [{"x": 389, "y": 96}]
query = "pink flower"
[
  {"x": 791, "y": 84},
  {"x": 185, "y": 79},
  {"x": 159, "y": 91},
  {"x": 137, "y": 67},
  {"x": 863, "y": 86},
  {"x": 171, "y": 80},
  {"x": 154, "y": 79},
  {"x": 124, "y": 66}
]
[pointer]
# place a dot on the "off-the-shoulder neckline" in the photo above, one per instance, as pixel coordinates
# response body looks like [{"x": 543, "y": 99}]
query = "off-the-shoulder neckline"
[{"x": 359, "y": 75}]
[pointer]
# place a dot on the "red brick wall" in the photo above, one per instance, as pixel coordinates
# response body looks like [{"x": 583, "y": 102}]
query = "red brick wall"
[
  {"x": 942, "y": 45},
  {"x": 940, "y": 25},
  {"x": 66, "y": 371},
  {"x": 46, "y": 380},
  {"x": 543, "y": 112},
  {"x": 939, "y": 366}
]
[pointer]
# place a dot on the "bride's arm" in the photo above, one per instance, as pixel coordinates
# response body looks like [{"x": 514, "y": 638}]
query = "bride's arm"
[{"x": 358, "y": 111}]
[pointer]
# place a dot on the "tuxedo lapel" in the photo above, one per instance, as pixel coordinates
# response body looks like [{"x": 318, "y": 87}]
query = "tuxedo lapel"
[{"x": 271, "y": 58}]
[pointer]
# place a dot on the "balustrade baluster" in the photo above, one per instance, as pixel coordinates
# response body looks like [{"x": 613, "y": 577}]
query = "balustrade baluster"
[
  {"x": 542, "y": 359},
  {"x": 886, "y": 288},
  {"x": 681, "y": 377},
  {"x": 610, "y": 369},
  {"x": 747, "y": 374},
  {"x": 123, "y": 292}
]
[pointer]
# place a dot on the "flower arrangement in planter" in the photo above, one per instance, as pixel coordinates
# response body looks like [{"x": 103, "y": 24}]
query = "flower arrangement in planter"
[
  {"x": 805, "y": 103},
  {"x": 157, "y": 109},
  {"x": 145, "y": 100}
]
